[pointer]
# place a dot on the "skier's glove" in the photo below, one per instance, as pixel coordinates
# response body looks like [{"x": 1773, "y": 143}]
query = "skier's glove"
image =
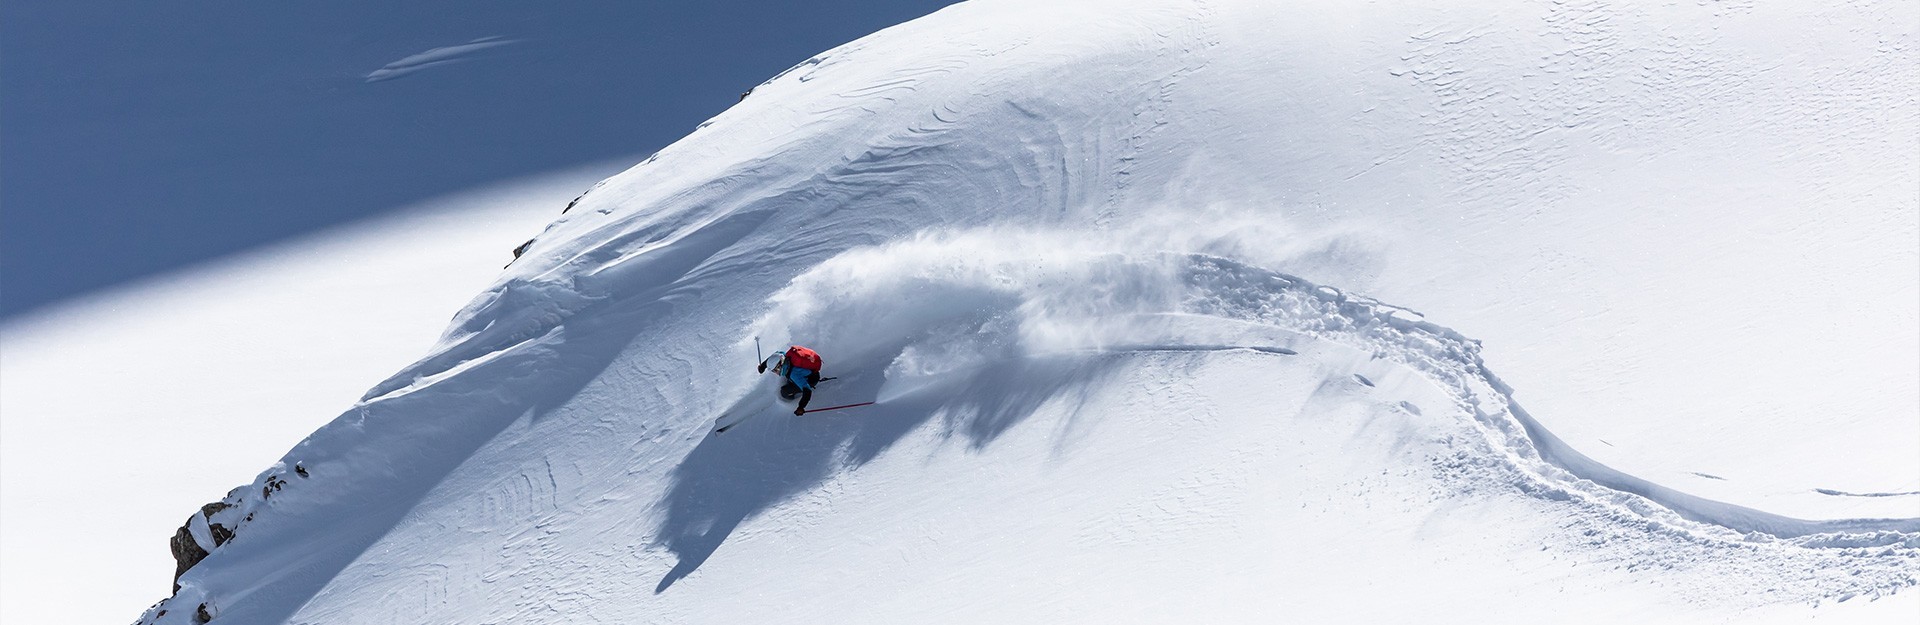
[
  {"x": 763, "y": 367},
  {"x": 799, "y": 411}
]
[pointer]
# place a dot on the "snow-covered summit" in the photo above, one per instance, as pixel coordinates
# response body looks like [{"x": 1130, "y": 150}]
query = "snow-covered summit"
[{"x": 1180, "y": 310}]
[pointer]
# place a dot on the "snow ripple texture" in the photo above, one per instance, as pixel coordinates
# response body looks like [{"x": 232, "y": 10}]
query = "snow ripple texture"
[
  {"x": 1085, "y": 214},
  {"x": 1021, "y": 304}
]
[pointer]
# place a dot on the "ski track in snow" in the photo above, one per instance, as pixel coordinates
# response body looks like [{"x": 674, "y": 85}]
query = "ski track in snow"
[
  {"x": 854, "y": 200},
  {"x": 1841, "y": 493},
  {"x": 1499, "y": 447}
]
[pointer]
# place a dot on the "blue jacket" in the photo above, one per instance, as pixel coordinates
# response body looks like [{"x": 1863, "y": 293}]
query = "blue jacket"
[{"x": 797, "y": 375}]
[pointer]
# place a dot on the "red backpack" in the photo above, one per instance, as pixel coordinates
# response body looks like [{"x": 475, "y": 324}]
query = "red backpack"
[{"x": 803, "y": 358}]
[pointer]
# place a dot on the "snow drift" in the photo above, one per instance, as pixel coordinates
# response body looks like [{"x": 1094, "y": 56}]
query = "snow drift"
[{"x": 1115, "y": 273}]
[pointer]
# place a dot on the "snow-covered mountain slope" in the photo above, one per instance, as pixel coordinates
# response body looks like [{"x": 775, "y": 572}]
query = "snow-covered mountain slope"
[
  {"x": 1114, "y": 273},
  {"x": 174, "y": 389}
]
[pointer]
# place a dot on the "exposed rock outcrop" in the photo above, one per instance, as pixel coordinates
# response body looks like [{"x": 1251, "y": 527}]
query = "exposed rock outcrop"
[{"x": 214, "y": 525}]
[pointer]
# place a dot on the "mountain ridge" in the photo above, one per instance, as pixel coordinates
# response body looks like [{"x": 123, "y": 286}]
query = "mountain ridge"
[{"x": 967, "y": 217}]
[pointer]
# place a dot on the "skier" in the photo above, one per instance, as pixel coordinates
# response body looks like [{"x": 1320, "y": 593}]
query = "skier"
[{"x": 800, "y": 368}]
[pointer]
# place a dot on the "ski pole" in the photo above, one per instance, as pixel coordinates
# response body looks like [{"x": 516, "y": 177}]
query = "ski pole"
[
  {"x": 864, "y": 403},
  {"x": 756, "y": 350}
]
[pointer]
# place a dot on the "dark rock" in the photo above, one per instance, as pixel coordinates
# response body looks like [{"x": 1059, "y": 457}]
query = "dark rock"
[
  {"x": 186, "y": 553},
  {"x": 220, "y": 533},
  {"x": 274, "y": 484}
]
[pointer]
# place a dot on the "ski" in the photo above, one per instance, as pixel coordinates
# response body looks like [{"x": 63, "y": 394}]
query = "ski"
[
  {"x": 864, "y": 403},
  {"x": 739, "y": 421},
  {"x": 724, "y": 428},
  {"x": 748, "y": 409}
]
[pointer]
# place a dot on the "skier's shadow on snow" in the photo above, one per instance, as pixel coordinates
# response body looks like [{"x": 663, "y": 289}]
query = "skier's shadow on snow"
[{"x": 730, "y": 478}]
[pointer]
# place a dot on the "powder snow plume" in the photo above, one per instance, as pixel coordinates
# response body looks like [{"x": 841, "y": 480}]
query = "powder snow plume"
[{"x": 1178, "y": 311}]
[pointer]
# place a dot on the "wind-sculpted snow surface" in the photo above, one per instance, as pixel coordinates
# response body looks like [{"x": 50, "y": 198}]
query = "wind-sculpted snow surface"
[
  {"x": 1100, "y": 265},
  {"x": 953, "y": 307}
]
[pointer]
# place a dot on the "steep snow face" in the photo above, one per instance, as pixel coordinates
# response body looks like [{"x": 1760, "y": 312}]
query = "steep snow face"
[
  {"x": 180, "y": 387},
  {"x": 1114, "y": 274}
]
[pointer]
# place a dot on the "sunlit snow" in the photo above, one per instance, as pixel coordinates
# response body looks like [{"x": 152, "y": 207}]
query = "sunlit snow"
[{"x": 1181, "y": 311}]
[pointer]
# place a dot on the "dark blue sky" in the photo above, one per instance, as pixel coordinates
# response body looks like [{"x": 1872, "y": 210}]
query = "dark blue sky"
[{"x": 140, "y": 137}]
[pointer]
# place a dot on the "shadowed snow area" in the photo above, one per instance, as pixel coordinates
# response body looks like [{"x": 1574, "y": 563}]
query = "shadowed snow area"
[{"x": 1114, "y": 274}]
